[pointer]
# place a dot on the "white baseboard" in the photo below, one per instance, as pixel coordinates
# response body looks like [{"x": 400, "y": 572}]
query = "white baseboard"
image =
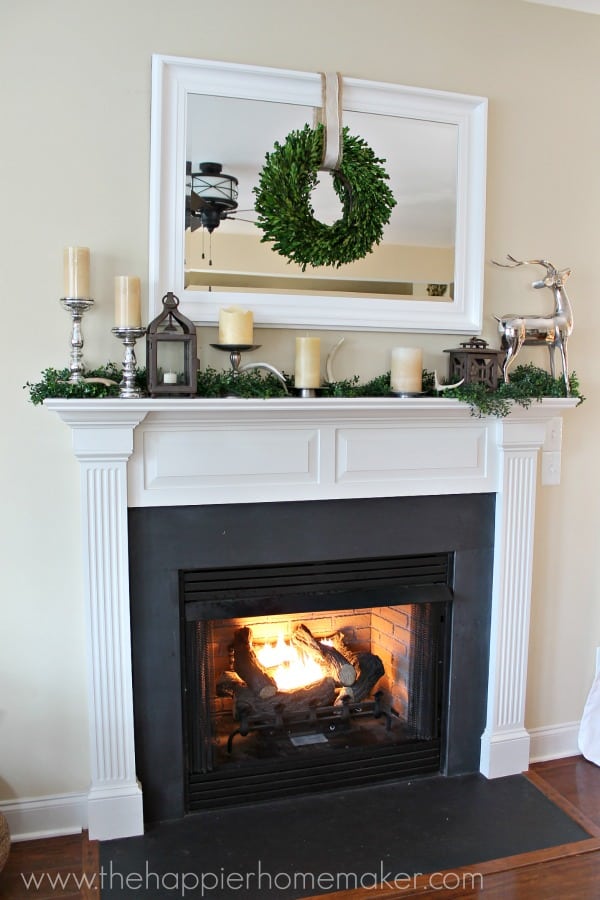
[
  {"x": 504, "y": 753},
  {"x": 554, "y": 742},
  {"x": 43, "y": 817}
]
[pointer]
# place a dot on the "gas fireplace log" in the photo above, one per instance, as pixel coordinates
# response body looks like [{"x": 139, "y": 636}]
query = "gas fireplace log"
[
  {"x": 246, "y": 703},
  {"x": 370, "y": 670},
  {"x": 248, "y": 667},
  {"x": 335, "y": 663},
  {"x": 338, "y": 640},
  {"x": 228, "y": 682}
]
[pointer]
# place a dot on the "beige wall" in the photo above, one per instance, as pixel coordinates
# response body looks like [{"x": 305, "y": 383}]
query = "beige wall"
[{"x": 74, "y": 107}]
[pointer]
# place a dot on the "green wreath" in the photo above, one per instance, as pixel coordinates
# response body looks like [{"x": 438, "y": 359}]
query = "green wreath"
[{"x": 285, "y": 212}]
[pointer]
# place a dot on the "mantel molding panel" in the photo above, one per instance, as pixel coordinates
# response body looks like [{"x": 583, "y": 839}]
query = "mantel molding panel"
[{"x": 165, "y": 452}]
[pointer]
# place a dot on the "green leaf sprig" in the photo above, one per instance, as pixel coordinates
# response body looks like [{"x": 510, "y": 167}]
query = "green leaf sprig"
[{"x": 528, "y": 383}]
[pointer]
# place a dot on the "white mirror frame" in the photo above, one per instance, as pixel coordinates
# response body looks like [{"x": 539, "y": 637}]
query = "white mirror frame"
[{"x": 174, "y": 78}]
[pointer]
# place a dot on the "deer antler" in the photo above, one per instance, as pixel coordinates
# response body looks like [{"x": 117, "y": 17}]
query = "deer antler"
[
  {"x": 513, "y": 263},
  {"x": 509, "y": 265}
]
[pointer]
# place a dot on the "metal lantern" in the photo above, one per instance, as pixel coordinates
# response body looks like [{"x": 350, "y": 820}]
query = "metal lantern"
[
  {"x": 171, "y": 352},
  {"x": 475, "y": 363}
]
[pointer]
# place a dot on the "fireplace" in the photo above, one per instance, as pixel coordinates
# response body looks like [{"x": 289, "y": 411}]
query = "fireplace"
[
  {"x": 313, "y": 732},
  {"x": 399, "y": 585},
  {"x": 330, "y": 696},
  {"x": 144, "y": 456}
]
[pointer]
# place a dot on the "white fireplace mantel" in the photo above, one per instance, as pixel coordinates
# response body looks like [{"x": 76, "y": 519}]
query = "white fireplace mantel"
[{"x": 170, "y": 452}]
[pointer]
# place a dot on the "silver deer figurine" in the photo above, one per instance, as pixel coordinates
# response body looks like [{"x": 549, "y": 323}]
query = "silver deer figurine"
[{"x": 552, "y": 331}]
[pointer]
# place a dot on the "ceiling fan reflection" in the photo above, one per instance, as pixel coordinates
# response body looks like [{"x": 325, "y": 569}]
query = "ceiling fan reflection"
[{"x": 211, "y": 197}]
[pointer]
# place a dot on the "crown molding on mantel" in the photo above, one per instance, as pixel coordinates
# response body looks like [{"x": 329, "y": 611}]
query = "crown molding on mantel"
[{"x": 160, "y": 452}]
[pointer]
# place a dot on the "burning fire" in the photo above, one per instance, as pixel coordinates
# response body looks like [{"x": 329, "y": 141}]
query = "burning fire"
[{"x": 287, "y": 665}]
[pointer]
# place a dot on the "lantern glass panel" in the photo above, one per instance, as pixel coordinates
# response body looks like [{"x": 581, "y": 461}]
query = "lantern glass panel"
[{"x": 171, "y": 361}]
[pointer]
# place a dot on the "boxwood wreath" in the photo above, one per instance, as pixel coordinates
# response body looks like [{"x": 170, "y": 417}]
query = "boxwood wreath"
[
  {"x": 283, "y": 200},
  {"x": 528, "y": 383}
]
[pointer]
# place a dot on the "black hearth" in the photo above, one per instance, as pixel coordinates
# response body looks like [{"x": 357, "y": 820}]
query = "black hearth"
[{"x": 403, "y": 581}]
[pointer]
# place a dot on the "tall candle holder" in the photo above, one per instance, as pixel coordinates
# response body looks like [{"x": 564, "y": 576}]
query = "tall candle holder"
[
  {"x": 235, "y": 353},
  {"x": 235, "y": 358},
  {"x": 76, "y": 306},
  {"x": 127, "y": 387}
]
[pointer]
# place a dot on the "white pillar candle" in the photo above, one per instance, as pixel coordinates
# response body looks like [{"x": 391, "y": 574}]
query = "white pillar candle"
[
  {"x": 407, "y": 370},
  {"x": 170, "y": 378},
  {"x": 236, "y": 326},
  {"x": 76, "y": 272},
  {"x": 308, "y": 363},
  {"x": 128, "y": 310}
]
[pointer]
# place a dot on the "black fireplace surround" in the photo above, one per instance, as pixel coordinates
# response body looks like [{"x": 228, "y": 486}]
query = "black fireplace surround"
[{"x": 165, "y": 543}]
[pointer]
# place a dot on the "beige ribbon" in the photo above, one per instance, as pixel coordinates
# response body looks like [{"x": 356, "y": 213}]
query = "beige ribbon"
[{"x": 331, "y": 118}]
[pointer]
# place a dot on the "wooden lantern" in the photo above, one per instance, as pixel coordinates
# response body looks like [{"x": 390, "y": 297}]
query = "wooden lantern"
[
  {"x": 171, "y": 352},
  {"x": 475, "y": 363}
]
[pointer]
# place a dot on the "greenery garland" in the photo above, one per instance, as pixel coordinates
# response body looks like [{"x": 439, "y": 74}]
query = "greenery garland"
[
  {"x": 527, "y": 383},
  {"x": 285, "y": 212}
]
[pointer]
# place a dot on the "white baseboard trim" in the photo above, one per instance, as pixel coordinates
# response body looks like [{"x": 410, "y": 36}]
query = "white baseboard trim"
[
  {"x": 115, "y": 812},
  {"x": 554, "y": 742},
  {"x": 43, "y": 817},
  {"x": 504, "y": 752}
]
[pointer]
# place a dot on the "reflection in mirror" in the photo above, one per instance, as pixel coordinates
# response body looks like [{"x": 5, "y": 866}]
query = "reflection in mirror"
[
  {"x": 415, "y": 258},
  {"x": 427, "y": 272}
]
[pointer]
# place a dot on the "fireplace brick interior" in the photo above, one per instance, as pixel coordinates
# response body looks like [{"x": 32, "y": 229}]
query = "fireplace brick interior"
[
  {"x": 384, "y": 631},
  {"x": 166, "y": 543}
]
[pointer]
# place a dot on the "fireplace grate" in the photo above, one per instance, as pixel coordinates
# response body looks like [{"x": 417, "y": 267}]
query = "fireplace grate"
[{"x": 337, "y": 716}]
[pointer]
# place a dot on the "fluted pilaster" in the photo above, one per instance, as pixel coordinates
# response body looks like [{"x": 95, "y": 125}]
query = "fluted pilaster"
[
  {"x": 505, "y": 742},
  {"x": 103, "y": 448}
]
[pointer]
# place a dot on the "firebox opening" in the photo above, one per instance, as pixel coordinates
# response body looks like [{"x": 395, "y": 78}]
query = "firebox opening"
[{"x": 322, "y": 694}]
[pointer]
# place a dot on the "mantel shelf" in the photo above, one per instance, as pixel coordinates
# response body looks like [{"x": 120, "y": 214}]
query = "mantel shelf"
[{"x": 344, "y": 406}]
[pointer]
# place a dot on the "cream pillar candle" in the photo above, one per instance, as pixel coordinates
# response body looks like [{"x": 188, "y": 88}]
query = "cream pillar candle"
[
  {"x": 128, "y": 310},
  {"x": 76, "y": 272},
  {"x": 407, "y": 370},
  {"x": 236, "y": 326},
  {"x": 308, "y": 363}
]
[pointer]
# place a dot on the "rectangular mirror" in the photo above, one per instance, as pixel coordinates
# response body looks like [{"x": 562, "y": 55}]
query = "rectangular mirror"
[{"x": 427, "y": 272}]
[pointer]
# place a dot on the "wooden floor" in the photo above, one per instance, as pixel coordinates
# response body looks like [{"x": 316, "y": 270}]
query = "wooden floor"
[{"x": 569, "y": 872}]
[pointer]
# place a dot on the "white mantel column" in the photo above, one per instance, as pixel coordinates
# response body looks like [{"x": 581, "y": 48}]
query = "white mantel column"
[
  {"x": 505, "y": 741},
  {"x": 103, "y": 445}
]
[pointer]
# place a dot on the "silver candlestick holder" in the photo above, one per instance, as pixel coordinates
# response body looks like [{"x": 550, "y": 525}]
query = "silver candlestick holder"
[
  {"x": 235, "y": 358},
  {"x": 128, "y": 389},
  {"x": 235, "y": 353},
  {"x": 307, "y": 392},
  {"x": 76, "y": 306}
]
